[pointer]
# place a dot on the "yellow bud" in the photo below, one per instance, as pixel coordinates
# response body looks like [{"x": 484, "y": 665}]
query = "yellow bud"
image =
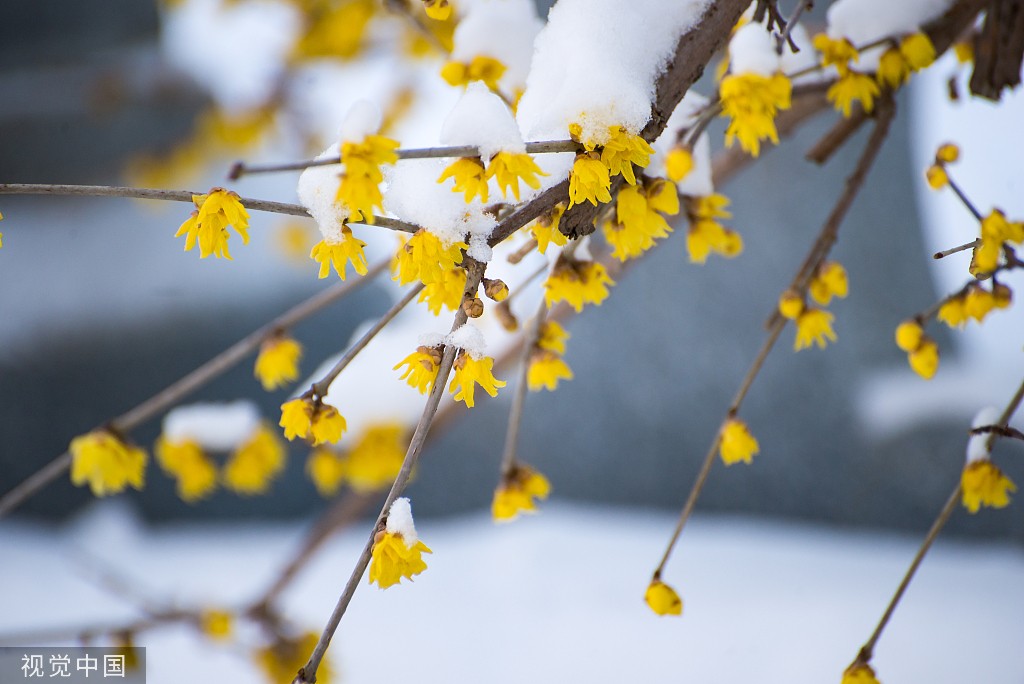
[
  {"x": 506, "y": 317},
  {"x": 937, "y": 177},
  {"x": 473, "y": 307},
  {"x": 908, "y": 335},
  {"x": 791, "y": 304},
  {"x": 1003, "y": 295},
  {"x": 455, "y": 73},
  {"x": 678, "y": 163},
  {"x": 437, "y": 9},
  {"x": 947, "y": 153},
  {"x": 925, "y": 359},
  {"x": 495, "y": 289},
  {"x": 964, "y": 52}
]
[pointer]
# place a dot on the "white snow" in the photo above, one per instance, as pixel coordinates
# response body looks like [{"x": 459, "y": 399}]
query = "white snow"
[
  {"x": 554, "y": 598},
  {"x": 752, "y": 50},
  {"x": 596, "y": 63},
  {"x": 977, "y": 445},
  {"x": 698, "y": 182},
  {"x": 363, "y": 119},
  {"x": 469, "y": 338},
  {"x": 865, "y": 21},
  {"x": 213, "y": 426},
  {"x": 482, "y": 119},
  {"x": 400, "y": 521},
  {"x": 501, "y": 29},
  {"x": 318, "y": 191},
  {"x": 236, "y": 51}
]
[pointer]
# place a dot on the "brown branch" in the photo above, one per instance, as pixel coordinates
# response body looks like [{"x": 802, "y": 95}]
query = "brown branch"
[
  {"x": 181, "y": 388},
  {"x": 515, "y": 417}
]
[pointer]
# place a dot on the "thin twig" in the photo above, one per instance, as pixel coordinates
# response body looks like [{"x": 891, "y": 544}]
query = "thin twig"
[
  {"x": 958, "y": 191},
  {"x": 515, "y": 416},
  {"x": 307, "y": 674},
  {"x": 240, "y": 168},
  {"x": 959, "y": 248},
  {"x": 178, "y": 196},
  {"x": 785, "y": 37},
  {"x": 184, "y": 386}
]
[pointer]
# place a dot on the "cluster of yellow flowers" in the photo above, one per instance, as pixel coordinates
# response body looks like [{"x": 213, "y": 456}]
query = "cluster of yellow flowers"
[
  {"x": 705, "y": 234},
  {"x": 208, "y": 224},
  {"x": 277, "y": 364},
  {"x": 370, "y": 465},
  {"x": 545, "y": 229},
  {"x": 593, "y": 169},
  {"x": 249, "y": 470},
  {"x": 471, "y": 176},
  {"x": 974, "y": 302},
  {"x": 996, "y": 231},
  {"x": 751, "y": 102},
  {"x": 936, "y": 174},
  {"x": 426, "y": 258},
  {"x": 446, "y": 292},
  {"x": 481, "y": 68},
  {"x": 577, "y": 282},
  {"x": 546, "y": 364},
  {"x": 518, "y": 493},
  {"x": 311, "y": 419},
  {"x": 814, "y": 325},
  {"x": 922, "y": 351},
  {"x": 640, "y": 217}
]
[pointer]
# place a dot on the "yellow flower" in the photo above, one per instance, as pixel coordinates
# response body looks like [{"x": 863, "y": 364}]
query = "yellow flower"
[
  {"x": 439, "y": 10},
  {"x": 909, "y": 334},
  {"x": 704, "y": 237},
  {"x": 838, "y": 51},
  {"x": 359, "y": 190},
  {"x": 893, "y": 69},
  {"x": 918, "y": 51},
  {"x": 995, "y": 230},
  {"x": 208, "y": 225},
  {"x": 663, "y": 599},
  {"x": 915, "y": 52},
  {"x": 255, "y": 464},
  {"x": 518, "y": 493},
  {"x": 947, "y": 153},
  {"x": 546, "y": 369},
  {"x": 421, "y": 368},
  {"x": 639, "y": 220},
  {"x": 106, "y": 462},
  {"x": 737, "y": 444},
  {"x": 859, "y": 673},
  {"x": 924, "y": 360},
  {"x": 978, "y": 303},
  {"x": 510, "y": 168},
  {"x": 480, "y": 68},
  {"x": 1002, "y": 295},
  {"x": 589, "y": 180},
  {"x": 814, "y": 326},
  {"x": 984, "y": 484},
  {"x": 469, "y": 373},
  {"x": 328, "y": 425},
  {"x": 294, "y": 239},
  {"x": 853, "y": 86},
  {"x": 829, "y": 281},
  {"x": 751, "y": 102},
  {"x": 791, "y": 305},
  {"x": 622, "y": 150},
  {"x": 215, "y": 624},
  {"x": 426, "y": 258},
  {"x": 446, "y": 292},
  {"x": 326, "y": 469},
  {"x": 335, "y": 31},
  {"x": 281, "y": 660},
  {"x": 964, "y": 52},
  {"x": 296, "y": 418},
  {"x": 338, "y": 253},
  {"x": 195, "y": 473},
  {"x": 937, "y": 177},
  {"x": 278, "y": 362},
  {"x": 578, "y": 283},
  {"x": 545, "y": 229},
  {"x": 470, "y": 178},
  {"x": 553, "y": 337},
  {"x": 373, "y": 463},
  {"x": 953, "y": 312},
  {"x": 397, "y": 551},
  {"x": 678, "y": 163}
]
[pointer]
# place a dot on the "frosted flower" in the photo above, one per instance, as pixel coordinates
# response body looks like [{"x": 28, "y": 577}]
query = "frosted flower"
[
  {"x": 426, "y": 258},
  {"x": 470, "y": 179},
  {"x": 421, "y": 368},
  {"x": 397, "y": 551},
  {"x": 469, "y": 373},
  {"x": 982, "y": 483}
]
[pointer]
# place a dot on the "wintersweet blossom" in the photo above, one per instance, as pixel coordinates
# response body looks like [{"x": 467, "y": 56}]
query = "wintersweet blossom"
[
  {"x": 339, "y": 252},
  {"x": 639, "y": 218},
  {"x": 208, "y": 225},
  {"x": 814, "y": 326},
  {"x": 936, "y": 176},
  {"x": 185, "y": 461},
  {"x": 589, "y": 180},
  {"x": 495, "y": 289},
  {"x": 909, "y": 335},
  {"x": 791, "y": 305},
  {"x": 376, "y": 458},
  {"x": 835, "y": 51},
  {"x": 830, "y": 280},
  {"x": 480, "y": 68},
  {"x": 106, "y": 462},
  {"x": 359, "y": 190},
  {"x": 278, "y": 362},
  {"x": 314, "y": 420},
  {"x": 470, "y": 372},
  {"x": 255, "y": 464},
  {"x": 678, "y": 163},
  {"x": 510, "y": 168},
  {"x": 426, "y": 258},
  {"x": 859, "y": 673},
  {"x": 282, "y": 659},
  {"x": 545, "y": 370},
  {"x": 326, "y": 469},
  {"x": 577, "y": 283},
  {"x": 518, "y": 493},
  {"x": 751, "y": 101},
  {"x": 624, "y": 149},
  {"x": 553, "y": 337},
  {"x": 982, "y": 483},
  {"x": 663, "y": 599},
  {"x": 995, "y": 230},
  {"x": 545, "y": 229},
  {"x": 216, "y": 624},
  {"x": 736, "y": 443},
  {"x": 853, "y": 86},
  {"x": 421, "y": 368},
  {"x": 397, "y": 550},
  {"x": 446, "y": 292},
  {"x": 953, "y": 312},
  {"x": 470, "y": 178},
  {"x": 439, "y": 10},
  {"x": 924, "y": 359},
  {"x": 705, "y": 234}
]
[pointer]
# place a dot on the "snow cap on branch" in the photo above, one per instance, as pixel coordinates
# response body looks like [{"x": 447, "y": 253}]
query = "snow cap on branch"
[
  {"x": 482, "y": 119},
  {"x": 503, "y": 30},
  {"x": 977, "y": 445},
  {"x": 400, "y": 521},
  {"x": 214, "y": 427}
]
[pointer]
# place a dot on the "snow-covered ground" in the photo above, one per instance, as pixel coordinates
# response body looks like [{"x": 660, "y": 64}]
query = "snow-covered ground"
[{"x": 555, "y": 598}]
